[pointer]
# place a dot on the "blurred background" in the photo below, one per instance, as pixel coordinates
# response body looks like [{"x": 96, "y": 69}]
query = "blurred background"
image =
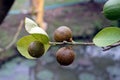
[{"x": 85, "y": 19}]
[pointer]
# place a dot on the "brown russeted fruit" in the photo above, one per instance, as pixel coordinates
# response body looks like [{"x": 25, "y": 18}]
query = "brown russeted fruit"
[
  {"x": 36, "y": 49},
  {"x": 65, "y": 56},
  {"x": 63, "y": 33}
]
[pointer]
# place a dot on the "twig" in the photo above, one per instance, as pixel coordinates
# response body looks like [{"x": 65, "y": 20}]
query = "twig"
[
  {"x": 84, "y": 43},
  {"x": 55, "y": 43},
  {"x": 71, "y": 43},
  {"x": 14, "y": 38},
  {"x": 111, "y": 46}
]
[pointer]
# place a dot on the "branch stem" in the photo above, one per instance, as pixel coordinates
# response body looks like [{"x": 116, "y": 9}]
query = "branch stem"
[
  {"x": 111, "y": 46},
  {"x": 83, "y": 43},
  {"x": 14, "y": 38},
  {"x": 71, "y": 43}
]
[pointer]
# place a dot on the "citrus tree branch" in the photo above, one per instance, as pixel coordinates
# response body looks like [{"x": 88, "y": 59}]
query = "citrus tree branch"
[
  {"x": 71, "y": 43},
  {"x": 56, "y": 43},
  {"x": 111, "y": 46},
  {"x": 14, "y": 38},
  {"x": 84, "y": 43}
]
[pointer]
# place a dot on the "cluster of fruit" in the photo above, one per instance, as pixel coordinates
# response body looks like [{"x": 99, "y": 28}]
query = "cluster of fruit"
[
  {"x": 38, "y": 41},
  {"x": 65, "y": 55}
]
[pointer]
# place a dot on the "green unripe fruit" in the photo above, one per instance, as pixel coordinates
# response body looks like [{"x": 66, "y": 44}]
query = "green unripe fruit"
[
  {"x": 65, "y": 56},
  {"x": 36, "y": 49},
  {"x": 111, "y": 9},
  {"x": 62, "y": 33}
]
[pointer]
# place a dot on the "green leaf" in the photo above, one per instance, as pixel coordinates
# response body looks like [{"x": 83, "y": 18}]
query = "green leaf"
[
  {"x": 107, "y": 36},
  {"x": 37, "y": 32},
  {"x": 41, "y": 37},
  {"x": 23, "y": 43},
  {"x": 31, "y": 27}
]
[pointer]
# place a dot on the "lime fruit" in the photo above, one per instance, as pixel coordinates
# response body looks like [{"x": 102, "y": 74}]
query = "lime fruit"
[
  {"x": 36, "y": 49},
  {"x": 111, "y": 9},
  {"x": 62, "y": 33},
  {"x": 65, "y": 56}
]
